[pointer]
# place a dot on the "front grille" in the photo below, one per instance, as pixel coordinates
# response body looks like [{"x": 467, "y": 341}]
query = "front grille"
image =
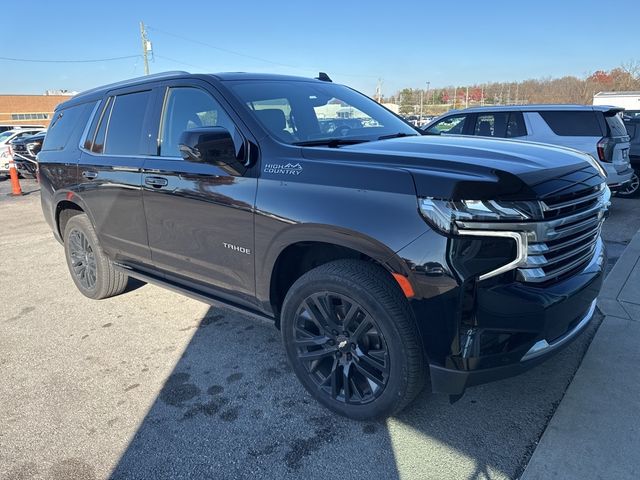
[{"x": 567, "y": 240}]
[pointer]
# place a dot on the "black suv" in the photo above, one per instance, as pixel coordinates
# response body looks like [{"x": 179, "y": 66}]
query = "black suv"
[
  {"x": 25, "y": 151},
  {"x": 387, "y": 259}
]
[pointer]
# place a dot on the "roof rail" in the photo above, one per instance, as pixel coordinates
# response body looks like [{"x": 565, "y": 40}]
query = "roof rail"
[{"x": 154, "y": 76}]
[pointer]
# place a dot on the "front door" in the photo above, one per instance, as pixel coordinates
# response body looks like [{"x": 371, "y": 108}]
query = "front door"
[{"x": 199, "y": 217}]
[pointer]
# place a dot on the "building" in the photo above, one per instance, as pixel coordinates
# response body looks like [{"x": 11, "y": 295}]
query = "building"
[
  {"x": 29, "y": 109},
  {"x": 626, "y": 100}
]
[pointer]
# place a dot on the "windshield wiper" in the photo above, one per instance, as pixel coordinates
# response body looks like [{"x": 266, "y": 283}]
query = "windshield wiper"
[
  {"x": 398, "y": 135},
  {"x": 330, "y": 142}
]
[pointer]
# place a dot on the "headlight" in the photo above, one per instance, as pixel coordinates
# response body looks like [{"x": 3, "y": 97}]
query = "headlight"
[
  {"x": 31, "y": 146},
  {"x": 596, "y": 164},
  {"x": 444, "y": 213}
]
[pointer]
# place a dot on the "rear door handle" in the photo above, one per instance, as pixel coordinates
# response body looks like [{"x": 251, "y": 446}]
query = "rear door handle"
[
  {"x": 89, "y": 174},
  {"x": 156, "y": 182}
]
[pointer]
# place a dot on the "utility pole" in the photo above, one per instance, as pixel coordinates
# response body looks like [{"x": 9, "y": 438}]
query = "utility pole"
[
  {"x": 428, "y": 85},
  {"x": 146, "y": 47},
  {"x": 466, "y": 99},
  {"x": 421, "y": 103},
  {"x": 455, "y": 97}
]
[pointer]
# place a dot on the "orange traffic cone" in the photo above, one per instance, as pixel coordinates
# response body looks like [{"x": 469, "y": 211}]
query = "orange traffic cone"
[{"x": 16, "y": 190}]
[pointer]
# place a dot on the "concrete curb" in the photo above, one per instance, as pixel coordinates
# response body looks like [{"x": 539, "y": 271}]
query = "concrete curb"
[{"x": 616, "y": 298}]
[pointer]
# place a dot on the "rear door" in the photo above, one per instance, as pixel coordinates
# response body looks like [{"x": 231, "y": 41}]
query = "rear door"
[
  {"x": 199, "y": 216},
  {"x": 110, "y": 172}
]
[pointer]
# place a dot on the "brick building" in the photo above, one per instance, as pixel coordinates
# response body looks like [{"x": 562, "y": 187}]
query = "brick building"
[{"x": 28, "y": 109}]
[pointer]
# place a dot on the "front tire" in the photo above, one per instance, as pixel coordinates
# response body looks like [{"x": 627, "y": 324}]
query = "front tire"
[
  {"x": 93, "y": 273},
  {"x": 351, "y": 338}
]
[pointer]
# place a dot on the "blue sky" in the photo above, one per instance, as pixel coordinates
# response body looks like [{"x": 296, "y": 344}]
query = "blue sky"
[{"x": 403, "y": 43}]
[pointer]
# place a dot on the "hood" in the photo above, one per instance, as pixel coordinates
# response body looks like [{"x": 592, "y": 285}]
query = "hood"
[{"x": 457, "y": 167}]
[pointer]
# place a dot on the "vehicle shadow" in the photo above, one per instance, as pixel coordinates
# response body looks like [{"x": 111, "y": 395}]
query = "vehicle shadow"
[{"x": 232, "y": 408}]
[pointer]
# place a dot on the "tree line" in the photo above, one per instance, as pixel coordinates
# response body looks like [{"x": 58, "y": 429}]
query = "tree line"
[{"x": 568, "y": 89}]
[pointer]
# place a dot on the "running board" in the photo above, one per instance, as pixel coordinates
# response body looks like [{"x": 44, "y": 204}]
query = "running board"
[{"x": 196, "y": 295}]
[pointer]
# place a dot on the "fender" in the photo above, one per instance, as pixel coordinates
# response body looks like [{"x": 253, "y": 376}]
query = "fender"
[
  {"x": 330, "y": 234},
  {"x": 66, "y": 195}
]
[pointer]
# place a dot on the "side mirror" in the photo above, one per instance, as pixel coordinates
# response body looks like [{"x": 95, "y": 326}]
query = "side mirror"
[{"x": 213, "y": 145}]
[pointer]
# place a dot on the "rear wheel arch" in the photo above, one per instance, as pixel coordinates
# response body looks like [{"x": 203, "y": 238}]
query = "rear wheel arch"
[{"x": 65, "y": 210}]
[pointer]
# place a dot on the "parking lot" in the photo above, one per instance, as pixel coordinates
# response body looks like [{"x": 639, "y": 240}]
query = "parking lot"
[{"x": 151, "y": 384}]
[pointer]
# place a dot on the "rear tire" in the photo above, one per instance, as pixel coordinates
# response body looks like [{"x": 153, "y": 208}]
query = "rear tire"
[
  {"x": 633, "y": 188},
  {"x": 93, "y": 273},
  {"x": 352, "y": 340}
]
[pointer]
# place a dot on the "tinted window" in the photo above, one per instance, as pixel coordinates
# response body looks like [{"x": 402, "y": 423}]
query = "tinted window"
[
  {"x": 187, "y": 108},
  {"x": 97, "y": 145},
  {"x": 515, "y": 125},
  {"x": 491, "y": 124},
  {"x": 573, "y": 123},
  {"x": 452, "y": 125},
  {"x": 615, "y": 125},
  {"x": 303, "y": 111},
  {"x": 124, "y": 134},
  {"x": 66, "y": 124}
]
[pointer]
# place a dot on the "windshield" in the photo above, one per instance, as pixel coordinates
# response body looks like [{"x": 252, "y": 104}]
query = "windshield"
[
  {"x": 299, "y": 112},
  {"x": 4, "y": 136}
]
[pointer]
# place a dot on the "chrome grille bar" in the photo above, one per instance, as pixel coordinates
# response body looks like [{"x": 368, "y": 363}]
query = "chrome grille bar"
[{"x": 555, "y": 246}]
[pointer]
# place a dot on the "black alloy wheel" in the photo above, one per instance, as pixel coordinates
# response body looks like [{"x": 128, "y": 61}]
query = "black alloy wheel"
[
  {"x": 352, "y": 340},
  {"x": 83, "y": 260},
  {"x": 92, "y": 271},
  {"x": 342, "y": 348}
]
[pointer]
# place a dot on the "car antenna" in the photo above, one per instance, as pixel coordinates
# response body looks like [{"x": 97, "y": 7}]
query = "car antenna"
[{"x": 323, "y": 77}]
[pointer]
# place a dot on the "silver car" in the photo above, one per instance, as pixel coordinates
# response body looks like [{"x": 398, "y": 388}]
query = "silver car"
[{"x": 593, "y": 129}]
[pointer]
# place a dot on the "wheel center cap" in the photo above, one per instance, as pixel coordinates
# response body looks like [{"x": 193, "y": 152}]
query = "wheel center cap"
[{"x": 343, "y": 343}]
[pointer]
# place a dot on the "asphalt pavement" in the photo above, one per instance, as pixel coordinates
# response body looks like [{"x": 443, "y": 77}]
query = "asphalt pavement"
[{"x": 151, "y": 384}]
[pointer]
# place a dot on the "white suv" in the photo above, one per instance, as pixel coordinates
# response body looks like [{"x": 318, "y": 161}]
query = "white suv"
[{"x": 597, "y": 130}]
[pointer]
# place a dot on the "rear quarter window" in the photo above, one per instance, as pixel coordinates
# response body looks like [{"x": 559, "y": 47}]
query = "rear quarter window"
[
  {"x": 615, "y": 125},
  {"x": 573, "y": 123},
  {"x": 67, "y": 126}
]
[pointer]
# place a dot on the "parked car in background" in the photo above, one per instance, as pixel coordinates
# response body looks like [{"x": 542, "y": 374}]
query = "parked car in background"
[
  {"x": 25, "y": 150},
  {"x": 4, "y": 127},
  {"x": 5, "y": 138},
  {"x": 633, "y": 129},
  {"x": 593, "y": 129}
]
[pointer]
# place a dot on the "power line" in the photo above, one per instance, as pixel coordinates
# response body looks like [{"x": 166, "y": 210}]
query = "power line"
[
  {"x": 179, "y": 61},
  {"x": 93, "y": 60},
  {"x": 253, "y": 57},
  {"x": 219, "y": 48}
]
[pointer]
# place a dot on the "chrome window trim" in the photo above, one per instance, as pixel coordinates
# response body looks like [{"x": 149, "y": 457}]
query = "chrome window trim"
[
  {"x": 521, "y": 240},
  {"x": 85, "y": 132}
]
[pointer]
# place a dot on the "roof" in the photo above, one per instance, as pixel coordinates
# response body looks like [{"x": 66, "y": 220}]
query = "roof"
[
  {"x": 542, "y": 107},
  {"x": 230, "y": 76},
  {"x": 88, "y": 95},
  {"x": 618, "y": 94}
]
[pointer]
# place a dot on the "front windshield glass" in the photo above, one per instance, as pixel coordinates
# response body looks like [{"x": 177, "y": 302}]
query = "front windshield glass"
[
  {"x": 4, "y": 136},
  {"x": 298, "y": 112}
]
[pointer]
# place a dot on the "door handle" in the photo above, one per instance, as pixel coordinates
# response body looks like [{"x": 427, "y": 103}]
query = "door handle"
[
  {"x": 90, "y": 174},
  {"x": 156, "y": 182}
]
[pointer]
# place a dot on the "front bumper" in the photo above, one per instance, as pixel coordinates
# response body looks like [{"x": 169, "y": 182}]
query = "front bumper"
[
  {"x": 539, "y": 322},
  {"x": 454, "y": 382}
]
